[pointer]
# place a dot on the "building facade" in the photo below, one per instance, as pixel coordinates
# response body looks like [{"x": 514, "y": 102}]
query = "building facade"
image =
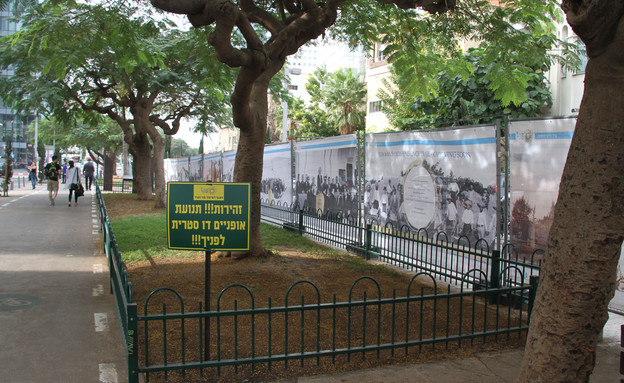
[
  {"x": 11, "y": 124},
  {"x": 377, "y": 72}
]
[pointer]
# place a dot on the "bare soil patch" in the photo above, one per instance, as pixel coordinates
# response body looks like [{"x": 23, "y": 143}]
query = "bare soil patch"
[{"x": 269, "y": 279}]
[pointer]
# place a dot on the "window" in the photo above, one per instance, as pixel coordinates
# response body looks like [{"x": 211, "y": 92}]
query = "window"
[
  {"x": 379, "y": 54},
  {"x": 374, "y": 106},
  {"x": 293, "y": 87}
]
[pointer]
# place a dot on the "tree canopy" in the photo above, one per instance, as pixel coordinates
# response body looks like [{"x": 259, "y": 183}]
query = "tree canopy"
[
  {"x": 96, "y": 134},
  {"x": 118, "y": 60},
  {"x": 461, "y": 98},
  {"x": 435, "y": 74}
]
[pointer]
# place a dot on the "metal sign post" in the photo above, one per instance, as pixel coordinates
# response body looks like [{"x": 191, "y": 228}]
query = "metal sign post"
[{"x": 209, "y": 217}]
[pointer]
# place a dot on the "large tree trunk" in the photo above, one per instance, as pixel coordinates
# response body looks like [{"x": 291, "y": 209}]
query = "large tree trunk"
[
  {"x": 250, "y": 109},
  {"x": 578, "y": 278},
  {"x": 160, "y": 186},
  {"x": 142, "y": 166},
  {"x": 141, "y": 113}
]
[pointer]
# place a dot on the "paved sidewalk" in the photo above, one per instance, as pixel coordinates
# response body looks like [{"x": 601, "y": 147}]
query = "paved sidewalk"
[
  {"x": 489, "y": 367},
  {"x": 58, "y": 322}
]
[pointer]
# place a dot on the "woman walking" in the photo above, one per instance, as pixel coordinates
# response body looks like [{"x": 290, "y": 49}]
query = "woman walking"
[
  {"x": 32, "y": 174},
  {"x": 73, "y": 180}
]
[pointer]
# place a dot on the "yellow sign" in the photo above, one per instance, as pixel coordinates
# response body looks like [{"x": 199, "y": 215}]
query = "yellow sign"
[{"x": 208, "y": 192}]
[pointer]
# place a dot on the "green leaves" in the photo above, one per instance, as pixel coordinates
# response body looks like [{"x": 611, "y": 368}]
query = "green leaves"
[
  {"x": 70, "y": 55},
  {"x": 509, "y": 84},
  {"x": 490, "y": 89},
  {"x": 436, "y": 79},
  {"x": 338, "y": 102}
]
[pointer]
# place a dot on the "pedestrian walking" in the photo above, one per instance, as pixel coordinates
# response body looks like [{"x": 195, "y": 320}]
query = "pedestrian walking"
[
  {"x": 73, "y": 182},
  {"x": 88, "y": 170},
  {"x": 52, "y": 172},
  {"x": 64, "y": 171},
  {"x": 32, "y": 174}
]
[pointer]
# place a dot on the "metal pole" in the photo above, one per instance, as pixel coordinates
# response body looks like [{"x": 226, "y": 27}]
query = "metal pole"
[
  {"x": 35, "y": 154},
  {"x": 285, "y": 111},
  {"x": 284, "y": 121},
  {"x": 207, "y": 306}
]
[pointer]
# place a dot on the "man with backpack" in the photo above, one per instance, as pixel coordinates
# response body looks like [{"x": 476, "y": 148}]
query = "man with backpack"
[{"x": 52, "y": 171}]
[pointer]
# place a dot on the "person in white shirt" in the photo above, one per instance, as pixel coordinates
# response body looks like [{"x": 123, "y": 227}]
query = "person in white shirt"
[{"x": 73, "y": 180}]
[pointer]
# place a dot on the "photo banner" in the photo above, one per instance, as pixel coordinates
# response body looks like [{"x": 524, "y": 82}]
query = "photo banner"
[
  {"x": 538, "y": 152},
  {"x": 276, "y": 175},
  {"x": 170, "y": 170},
  {"x": 440, "y": 181},
  {"x": 326, "y": 175},
  {"x": 195, "y": 168},
  {"x": 212, "y": 167},
  {"x": 177, "y": 169},
  {"x": 229, "y": 158},
  {"x": 617, "y": 303}
]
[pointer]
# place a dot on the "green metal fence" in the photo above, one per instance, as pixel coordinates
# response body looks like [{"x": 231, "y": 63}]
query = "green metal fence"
[
  {"x": 416, "y": 252},
  {"x": 303, "y": 331},
  {"x": 118, "y": 186},
  {"x": 121, "y": 288},
  {"x": 490, "y": 299}
]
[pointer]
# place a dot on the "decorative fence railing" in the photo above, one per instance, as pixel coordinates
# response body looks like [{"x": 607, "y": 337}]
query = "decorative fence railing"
[
  {"x": 120, "y": 287},
  {"x": 489, "y": 299},
  {"x": 309, "y": 332},
  {"x": 416, "y": 252},
  {"x": 118, "y": 185}
]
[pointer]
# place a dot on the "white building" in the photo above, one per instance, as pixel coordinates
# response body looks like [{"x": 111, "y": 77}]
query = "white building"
[
  {"x": 566, "y": 87},
  {"x": 377, "y": 70}
]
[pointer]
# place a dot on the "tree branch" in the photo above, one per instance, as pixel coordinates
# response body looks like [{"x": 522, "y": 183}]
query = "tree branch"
[
  {"x": 260, "y": 16},
  {"x": 182, "y": 7},
  {"x": 291, "y": 7},
  {"x": 226, "y": 16}
]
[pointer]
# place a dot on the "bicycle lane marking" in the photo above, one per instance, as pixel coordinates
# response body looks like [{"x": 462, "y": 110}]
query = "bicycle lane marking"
[{"x": 12, "y": 302}]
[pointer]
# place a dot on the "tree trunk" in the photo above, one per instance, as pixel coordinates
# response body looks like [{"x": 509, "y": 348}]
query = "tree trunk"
[
  {"x": 142, "y": 165},
  {"x": 578, "y": 278},
  {"x": 160, "y": 186},
  {"x": 250, "y": 115},
  {"x": 141, "y": 113}
]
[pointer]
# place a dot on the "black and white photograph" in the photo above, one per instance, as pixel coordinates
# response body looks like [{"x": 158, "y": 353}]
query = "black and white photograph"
[
  {"x": 436, "y": 181},
  {"x": 229, "y": 158},
  {"x": 212, "y": 167},
  {"x": 326, "y": 176},
  {"x": 195, "y": 169},
  {"x": 276, "y": 175}
]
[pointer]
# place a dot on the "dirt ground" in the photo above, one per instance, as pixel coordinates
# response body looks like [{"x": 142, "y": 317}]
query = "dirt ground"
[{"x": 270, "y": 279}]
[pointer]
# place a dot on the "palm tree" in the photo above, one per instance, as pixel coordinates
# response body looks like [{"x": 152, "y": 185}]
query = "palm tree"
[{"x": 346, "y": 101}]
